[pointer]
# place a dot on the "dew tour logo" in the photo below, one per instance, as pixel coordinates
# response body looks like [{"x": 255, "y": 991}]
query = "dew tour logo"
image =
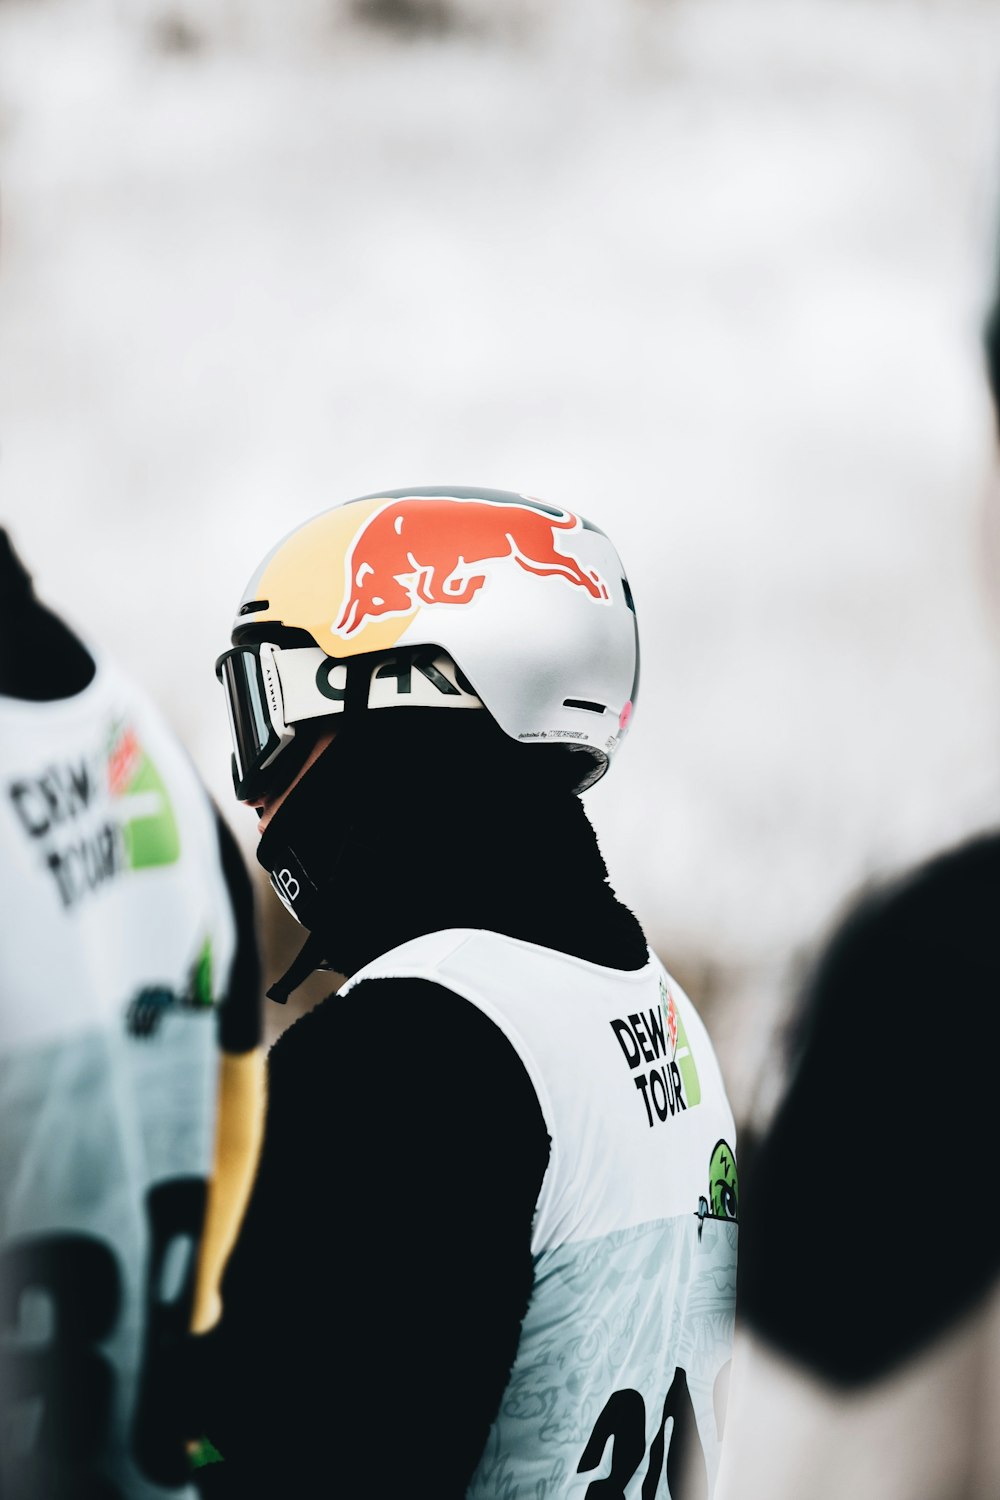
[
  {"x": 655, "y": 1046},
  {"x": 98, "y": 815}
]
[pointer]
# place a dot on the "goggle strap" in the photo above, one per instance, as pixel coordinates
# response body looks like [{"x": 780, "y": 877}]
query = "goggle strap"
[
  {"x": 269, "y": 689},
  {"x": 312, "y": 683}
]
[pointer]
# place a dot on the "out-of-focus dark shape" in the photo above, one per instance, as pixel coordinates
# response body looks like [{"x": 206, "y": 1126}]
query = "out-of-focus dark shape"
[
  {"x": 47, "y": 660},
  {"x": 867, "y": 1309},
  {"x": 863, "y": 1233},
  {"x": 177, "y": 35},
  {"x": 435, "y": 17}
]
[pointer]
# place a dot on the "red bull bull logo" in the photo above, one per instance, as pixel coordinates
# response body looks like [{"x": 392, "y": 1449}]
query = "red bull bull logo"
[
  {"x": 417, "y": 552},
  {"x": 670, "y": 1011}
]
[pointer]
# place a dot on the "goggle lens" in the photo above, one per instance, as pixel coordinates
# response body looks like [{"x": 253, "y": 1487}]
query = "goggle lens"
[{"x": 255, "y": 739}]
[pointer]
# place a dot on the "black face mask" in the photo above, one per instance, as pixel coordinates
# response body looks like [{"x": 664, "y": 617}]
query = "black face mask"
[
  {"x": 439, "y": 793},
  {"x": 311, "y": 846},
  {"x": 286, "y": 853},
  {"x": 355, "y": 782},
  {"x": 302, "y": 845},
  {"x": 302, "y": 850}
]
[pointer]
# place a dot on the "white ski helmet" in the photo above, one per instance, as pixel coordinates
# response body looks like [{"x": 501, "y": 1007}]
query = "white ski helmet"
[{"x": 443, "y": 597}]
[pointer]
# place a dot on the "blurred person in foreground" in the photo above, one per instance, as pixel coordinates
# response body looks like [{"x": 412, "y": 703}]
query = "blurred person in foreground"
[
  {"x": 130, "y": 1066},
  {"x": 868, "y": 1336},
  {"x": 491, "y": 1248}
]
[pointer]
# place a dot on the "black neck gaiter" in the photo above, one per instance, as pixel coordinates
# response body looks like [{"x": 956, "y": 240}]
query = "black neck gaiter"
[{"x": 402, "y": 828}]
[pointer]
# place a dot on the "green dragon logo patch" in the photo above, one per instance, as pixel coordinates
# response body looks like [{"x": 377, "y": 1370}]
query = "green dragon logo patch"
[{"x": 723, "y": 1199}]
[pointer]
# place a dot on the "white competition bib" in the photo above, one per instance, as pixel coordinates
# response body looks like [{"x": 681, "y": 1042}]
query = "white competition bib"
[
  {"x": 622, "y": 1368},
  {"x": 117, "y": 938}
]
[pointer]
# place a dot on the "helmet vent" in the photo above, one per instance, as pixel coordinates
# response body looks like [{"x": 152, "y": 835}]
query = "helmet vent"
[
  {"x": 254, "y": 606},
  {"x": 593, "y": 708}
]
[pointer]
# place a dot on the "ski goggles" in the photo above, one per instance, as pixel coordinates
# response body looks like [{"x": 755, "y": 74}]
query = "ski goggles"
[{"x": 269, "y": 690}]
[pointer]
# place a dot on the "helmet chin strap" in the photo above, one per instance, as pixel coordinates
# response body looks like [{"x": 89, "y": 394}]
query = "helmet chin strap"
[{"x": 307, "y": 961}]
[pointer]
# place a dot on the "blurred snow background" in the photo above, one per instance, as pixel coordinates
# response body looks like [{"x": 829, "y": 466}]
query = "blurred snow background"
[{"x": 712, "y": 272}]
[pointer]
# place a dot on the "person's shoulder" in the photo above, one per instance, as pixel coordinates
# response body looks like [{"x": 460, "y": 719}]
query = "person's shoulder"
[
  {"x": 961, "y": 869},
  {"x": 398, "y": 1012},
  {"x": 402, "y": 1029},
  {"x": 890, "y": 1091},
  {"x": 945, "y": 896}
]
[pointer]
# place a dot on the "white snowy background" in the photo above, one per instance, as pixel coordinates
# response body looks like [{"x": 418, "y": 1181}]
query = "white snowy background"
[{"x": 711, "y": 272}]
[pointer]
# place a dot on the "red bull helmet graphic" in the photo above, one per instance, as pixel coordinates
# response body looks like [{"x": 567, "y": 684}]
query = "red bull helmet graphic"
[{"x": 443, "y": 597}]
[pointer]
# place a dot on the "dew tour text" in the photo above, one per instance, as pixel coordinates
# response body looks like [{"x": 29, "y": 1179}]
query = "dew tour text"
[{"x": 642, "y": 1040}]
